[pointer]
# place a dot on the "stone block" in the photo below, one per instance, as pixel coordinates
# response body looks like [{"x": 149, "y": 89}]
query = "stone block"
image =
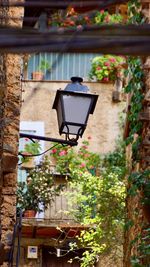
[
  {"x": 9, "y": 191},
  {"x": 6, "y": 222},
  {"x": 9, "y": 162},
  {"x": 2, "y": 253},
  {"x": 10, "y": 179}
]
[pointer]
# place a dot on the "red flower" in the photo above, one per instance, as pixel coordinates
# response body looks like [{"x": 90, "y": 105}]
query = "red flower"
[
  {"x": 107, "y": 64},
  {"x": 72, "y": 23},
  {"x": 113, "y": 60},
  {"x": 102, "y": 11},
  {"x": 105, "y": 79},
  {"x": 53, "y": 151},
  {"x": 62, "y": 153},
  {"x": 98, "y": 68},
  {"x": 82, "y": 165}
]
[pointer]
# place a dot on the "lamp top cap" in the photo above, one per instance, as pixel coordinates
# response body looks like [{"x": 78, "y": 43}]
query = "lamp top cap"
[{"x": 76, "y": 79}]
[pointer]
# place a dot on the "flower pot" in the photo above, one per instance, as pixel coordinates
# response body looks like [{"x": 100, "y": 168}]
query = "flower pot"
[
  {"x": 37, "y": 75},
  {"x": 29, "y": 213},
  {"x": 29, "y": 164}
]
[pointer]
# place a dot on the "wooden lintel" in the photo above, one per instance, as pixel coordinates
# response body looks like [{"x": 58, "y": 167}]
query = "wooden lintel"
[{"x": 25, "y": 241}]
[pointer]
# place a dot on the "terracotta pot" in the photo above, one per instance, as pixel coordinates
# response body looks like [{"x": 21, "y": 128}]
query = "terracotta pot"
[
  {"x": 29, "y": 164},
  {"x": 37, "y": 75},
  {"x": 29, "y": 213}
]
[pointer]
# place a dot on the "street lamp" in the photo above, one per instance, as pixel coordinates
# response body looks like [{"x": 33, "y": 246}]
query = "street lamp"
[{"x": 73, "y": 106}]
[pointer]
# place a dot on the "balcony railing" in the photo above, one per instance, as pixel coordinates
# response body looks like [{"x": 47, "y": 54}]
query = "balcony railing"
[{"x": 59, "y": 209}]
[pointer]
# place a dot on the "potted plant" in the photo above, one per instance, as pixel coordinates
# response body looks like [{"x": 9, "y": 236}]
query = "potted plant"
[
  {"x": 41, "y": 69},
  {"x": 39, "y": 188},
  {"x": 30, "y": 149},
  {"x": 27, "y": 201},
  {"x": 106, "y": 68}
]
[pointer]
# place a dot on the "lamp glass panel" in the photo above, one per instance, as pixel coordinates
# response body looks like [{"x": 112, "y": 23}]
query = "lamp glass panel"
[
  {"x": 59, "y": 113},
  {"x": 76, "y": 108}
]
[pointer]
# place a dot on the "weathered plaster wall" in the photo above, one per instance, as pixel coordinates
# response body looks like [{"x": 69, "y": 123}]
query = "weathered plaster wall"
[{"x": 103, "y": 125}]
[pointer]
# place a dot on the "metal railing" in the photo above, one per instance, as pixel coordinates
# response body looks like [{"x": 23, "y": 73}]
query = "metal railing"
[{"x": 16, "y": 234}]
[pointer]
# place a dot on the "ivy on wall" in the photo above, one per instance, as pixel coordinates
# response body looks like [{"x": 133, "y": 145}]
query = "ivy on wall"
[
  {"x": 139, "y": 181},
  {"x": 135, "y": 88}
]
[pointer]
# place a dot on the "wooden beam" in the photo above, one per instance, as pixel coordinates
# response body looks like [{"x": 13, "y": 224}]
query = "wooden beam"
[
  {"x": 63, "y": 4},
  {"x": 108, "y": 39}
]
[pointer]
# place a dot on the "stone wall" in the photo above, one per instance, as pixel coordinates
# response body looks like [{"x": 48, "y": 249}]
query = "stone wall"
[
  {"x": 103, "y": 125},
  {"x": 9, "y": 116}
]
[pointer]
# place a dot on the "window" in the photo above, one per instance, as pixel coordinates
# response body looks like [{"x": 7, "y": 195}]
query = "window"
[{"x": 63, "y": 66}]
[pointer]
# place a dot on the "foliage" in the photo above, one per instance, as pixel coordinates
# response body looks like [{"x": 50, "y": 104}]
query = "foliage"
[
  {"x": 135, "y": 15},
  {"x": 43, "y": 65},
  {"x": 106, "y": 68},
  {"x": 71, "y": 19},
  {"x": 32, "y": 148},
  {"x": 143, "y": 248},
  {"x": 103, "y": 17},
  {"x": 139, "y": 182},
  {"x": 68, "y": 158},
  {"x": 98, "y": 202},
  {"x": 135, "y": 86},
  {"x": 116, "y": 161},
  {"x": 38, "y": 189}
]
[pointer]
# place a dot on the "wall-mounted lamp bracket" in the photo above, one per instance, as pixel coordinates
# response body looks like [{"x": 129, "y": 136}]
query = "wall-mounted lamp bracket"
[{"x": 49, "y": 139}]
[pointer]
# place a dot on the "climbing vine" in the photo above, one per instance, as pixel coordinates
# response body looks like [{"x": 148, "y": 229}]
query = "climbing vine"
[
  {"x": 135, "y": 88},
  {"x": 139, "y": 182}
]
